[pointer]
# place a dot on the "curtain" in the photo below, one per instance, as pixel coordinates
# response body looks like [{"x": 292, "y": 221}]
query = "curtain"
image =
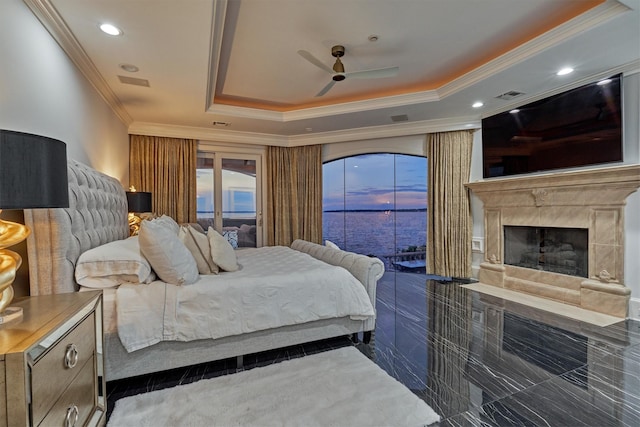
[
  {"x": 166, "y": 167},
  {"x": 294, "y": 198},
  {"x": 449, "y": 230}
]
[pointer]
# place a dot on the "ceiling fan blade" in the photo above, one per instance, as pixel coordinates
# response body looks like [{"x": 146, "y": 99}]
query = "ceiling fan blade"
[
  {"x": 373, "y": 74},
  {"x": 326, "y": 88},
  {"x": 315, "y": 61}
]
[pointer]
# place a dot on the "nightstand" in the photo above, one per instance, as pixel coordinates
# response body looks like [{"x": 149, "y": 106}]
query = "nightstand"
[{"x": 51, "y": 363}]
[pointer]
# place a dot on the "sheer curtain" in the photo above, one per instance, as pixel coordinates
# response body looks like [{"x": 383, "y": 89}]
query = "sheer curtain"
[
  {"x": 166, "y": 167},
  {"x": 450, "y": 224},
  {"x": 294, "y": 198}
]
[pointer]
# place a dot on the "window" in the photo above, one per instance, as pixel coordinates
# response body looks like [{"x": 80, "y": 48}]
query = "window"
[{"x": 376, "y": 204}]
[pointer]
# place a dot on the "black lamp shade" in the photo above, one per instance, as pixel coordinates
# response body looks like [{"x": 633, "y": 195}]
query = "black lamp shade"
[
  {"x": 33, "y": 171},
  {"x": 139, "y": 201}
]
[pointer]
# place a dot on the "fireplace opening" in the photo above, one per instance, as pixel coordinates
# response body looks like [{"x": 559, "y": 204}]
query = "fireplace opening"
[{"x": 553, "y": 249}]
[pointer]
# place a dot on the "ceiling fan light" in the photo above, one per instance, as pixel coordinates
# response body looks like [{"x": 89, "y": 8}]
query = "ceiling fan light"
[{"x": 338, "y": 67}]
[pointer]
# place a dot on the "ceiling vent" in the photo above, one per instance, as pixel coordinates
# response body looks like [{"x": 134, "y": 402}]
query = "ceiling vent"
[
  {"x": 508, "y": 96},
  {"x": 399, "y": 118},
  {"x": 133, "y": 81}
]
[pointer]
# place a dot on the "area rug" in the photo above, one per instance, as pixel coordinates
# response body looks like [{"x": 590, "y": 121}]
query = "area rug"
[{"x": 336, "y": 388}]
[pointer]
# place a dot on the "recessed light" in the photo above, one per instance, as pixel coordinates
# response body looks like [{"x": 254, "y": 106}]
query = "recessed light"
[
  {"x": 308, "y": 129},
  {"x": 110, "y": 29},
  {"x": 514, "y": 111},
  {"x": 217, "y": 123},
  {"x": 604, "y": 82},
  {"x": 373, "y": 38},
  {"x": 129, "y": 68},
  {"x": 468, "y": 125},
  {"x": 564, "y": 71},
  {"x": 477, "y": 104}
]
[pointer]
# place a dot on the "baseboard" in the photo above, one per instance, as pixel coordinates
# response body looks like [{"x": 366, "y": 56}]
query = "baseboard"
[{"x": 634, "y": 309}]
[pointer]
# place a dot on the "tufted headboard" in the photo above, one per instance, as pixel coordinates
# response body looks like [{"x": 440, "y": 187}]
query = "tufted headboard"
[{"x": 97, "y": 214}]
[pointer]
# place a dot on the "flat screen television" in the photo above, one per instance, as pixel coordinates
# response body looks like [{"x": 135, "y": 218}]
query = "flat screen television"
[{"x": 579, "y": 127}]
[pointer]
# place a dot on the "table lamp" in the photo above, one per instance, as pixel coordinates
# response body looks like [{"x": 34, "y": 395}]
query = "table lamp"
[
  {"x": 138, "y": 201},
  {"x": 33, "y": 174}
]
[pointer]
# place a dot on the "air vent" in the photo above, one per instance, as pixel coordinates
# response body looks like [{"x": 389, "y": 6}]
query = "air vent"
[
  {"x": 133, "y": 81},
  {"x": 399, "y": 118},
  {"x": 507, "y": 96}
]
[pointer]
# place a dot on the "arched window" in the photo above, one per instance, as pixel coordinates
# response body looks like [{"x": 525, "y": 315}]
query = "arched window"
[{"x": 376, "y": 204}]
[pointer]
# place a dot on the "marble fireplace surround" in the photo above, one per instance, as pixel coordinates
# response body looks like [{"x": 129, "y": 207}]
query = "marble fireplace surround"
[{"x": 591, "y": 199}]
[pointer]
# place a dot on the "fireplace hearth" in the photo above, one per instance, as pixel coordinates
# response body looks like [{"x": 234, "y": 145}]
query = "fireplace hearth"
[{"x": 559, "y": 236}]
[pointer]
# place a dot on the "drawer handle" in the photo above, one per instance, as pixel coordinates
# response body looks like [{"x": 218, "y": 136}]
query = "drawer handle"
[
  {"x": 71, "y": 356},
  {"x": 72, "y": 416}
]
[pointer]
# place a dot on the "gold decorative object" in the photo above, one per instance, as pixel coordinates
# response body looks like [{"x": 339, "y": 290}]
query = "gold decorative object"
[
  {"x": 11, "y": 234},
  {"x": 138, "y": 201}
]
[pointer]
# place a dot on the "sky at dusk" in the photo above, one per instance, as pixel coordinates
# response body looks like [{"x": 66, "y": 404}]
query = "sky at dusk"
[{"x": 375, "y": 181}]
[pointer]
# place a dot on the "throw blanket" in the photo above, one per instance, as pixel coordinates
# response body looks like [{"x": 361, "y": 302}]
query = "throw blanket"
[{"x": 275, "y": 286}]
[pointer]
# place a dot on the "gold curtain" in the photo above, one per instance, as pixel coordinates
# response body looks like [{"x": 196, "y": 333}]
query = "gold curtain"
[
  {"x": 166, "y": 167},
  {"x": 294, "y": 197},
  {"x": 450, "y": 224}
]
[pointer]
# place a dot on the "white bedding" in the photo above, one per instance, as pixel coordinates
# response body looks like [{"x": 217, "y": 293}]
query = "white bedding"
[{"x": 275, "y": 286}]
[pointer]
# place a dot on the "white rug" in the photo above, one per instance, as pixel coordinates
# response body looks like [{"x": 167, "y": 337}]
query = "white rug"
[{"x": 335, "y": 388}]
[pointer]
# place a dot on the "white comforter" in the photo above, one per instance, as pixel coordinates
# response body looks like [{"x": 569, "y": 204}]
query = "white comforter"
[{"x": 275, "y": 286}]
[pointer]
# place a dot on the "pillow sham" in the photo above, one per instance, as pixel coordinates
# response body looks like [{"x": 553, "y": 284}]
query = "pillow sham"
[
  {"x": 198, "y": 245},
  {"x": 112, "y": 264},
  {"x": 221, "y": 251},
  {"x": 169, "y": 257}
]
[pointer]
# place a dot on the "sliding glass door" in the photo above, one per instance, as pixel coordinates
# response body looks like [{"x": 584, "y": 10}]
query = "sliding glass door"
[{"x": 229, "y": 196}]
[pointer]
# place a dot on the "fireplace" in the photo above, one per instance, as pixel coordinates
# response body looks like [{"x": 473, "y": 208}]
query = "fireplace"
[
  {"x": 559, "y": 236},
  {"x": 554, "y": 249}
]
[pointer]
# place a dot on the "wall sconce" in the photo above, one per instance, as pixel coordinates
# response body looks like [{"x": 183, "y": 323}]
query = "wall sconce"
[
  {"x": 33, "y": 174},
  {"x": 138, "y": 202}
]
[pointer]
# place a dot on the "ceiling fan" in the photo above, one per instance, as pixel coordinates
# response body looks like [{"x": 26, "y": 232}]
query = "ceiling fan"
[{"x": 338, "y": 73}]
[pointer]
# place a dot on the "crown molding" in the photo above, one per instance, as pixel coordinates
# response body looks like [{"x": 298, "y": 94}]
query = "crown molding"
[
  {"x": 214, "y": 135},
  {"x": 586, "y": 21},
  {"x": 251, "y": 138},
  {"x": 57, "y": 27}
]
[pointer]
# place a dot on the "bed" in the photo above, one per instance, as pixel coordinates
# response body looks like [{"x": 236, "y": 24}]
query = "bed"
[{"x": 98, "y": 215}]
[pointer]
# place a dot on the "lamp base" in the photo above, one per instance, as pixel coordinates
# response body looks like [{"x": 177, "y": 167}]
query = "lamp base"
[{"x": 10, "y": 314}]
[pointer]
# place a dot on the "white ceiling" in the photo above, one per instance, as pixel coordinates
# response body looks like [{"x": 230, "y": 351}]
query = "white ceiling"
[{"x": 237, "y": 61}]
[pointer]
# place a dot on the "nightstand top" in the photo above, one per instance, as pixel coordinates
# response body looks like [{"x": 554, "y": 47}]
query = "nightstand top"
[{"x": 42, "y": 314}]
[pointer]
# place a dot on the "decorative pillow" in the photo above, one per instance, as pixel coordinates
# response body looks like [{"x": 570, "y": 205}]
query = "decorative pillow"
[
  {"x": 112, "y": 264},
  {"x": 168, "y": 256},
  {"x": 221, "y": 251},
  {"x": 330, "y": 244},
  {"x": 168, "y": 222},
  {"x": 198, "y": 245},
  {"x": 232, "y": 237}
]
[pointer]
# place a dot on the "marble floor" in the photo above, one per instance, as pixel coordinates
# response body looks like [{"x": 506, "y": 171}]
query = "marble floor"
[{"x": 477, "y": 359}]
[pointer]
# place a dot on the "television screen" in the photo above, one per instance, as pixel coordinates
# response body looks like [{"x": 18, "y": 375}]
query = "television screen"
[{"x": 579, "y": 127}]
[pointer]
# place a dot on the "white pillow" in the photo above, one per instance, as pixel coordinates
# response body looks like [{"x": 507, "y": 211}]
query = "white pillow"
[
  {"x": 221, "y": 251},
  {"x": 167, "y": 221},
  {"x": 198, "y": 245},
  {"x": 112, "y": 264},
  {"x": 330, "y": 244},
  {"x": 168, "y": 256}
]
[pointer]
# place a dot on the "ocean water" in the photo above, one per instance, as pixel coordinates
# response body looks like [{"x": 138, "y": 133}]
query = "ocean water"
[{"x": 378, "y": 233}]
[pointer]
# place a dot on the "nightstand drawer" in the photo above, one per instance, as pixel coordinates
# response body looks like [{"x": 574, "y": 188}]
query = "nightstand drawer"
[
  {"x": 76, "y": 403},
  {"x": 58, "y": 367}
]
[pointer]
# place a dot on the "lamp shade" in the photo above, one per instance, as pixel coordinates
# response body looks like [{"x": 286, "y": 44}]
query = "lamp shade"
[
  {"x": 139, "y": 201},
  {"x": 33, "y": 171}
]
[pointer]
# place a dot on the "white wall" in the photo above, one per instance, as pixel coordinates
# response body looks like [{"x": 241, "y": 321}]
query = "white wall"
[
  {"x": 42, "y": 92},
  {"x": 631, "y": 136}
]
